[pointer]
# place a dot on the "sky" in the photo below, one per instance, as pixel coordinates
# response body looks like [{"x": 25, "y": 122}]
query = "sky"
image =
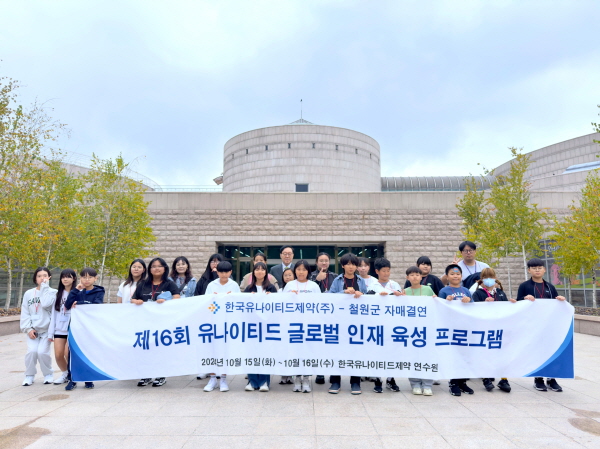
[{"x": 442, "y": 85}]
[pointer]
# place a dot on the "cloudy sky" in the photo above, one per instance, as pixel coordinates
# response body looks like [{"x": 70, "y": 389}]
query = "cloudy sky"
[{"x": 441, "y": 85}]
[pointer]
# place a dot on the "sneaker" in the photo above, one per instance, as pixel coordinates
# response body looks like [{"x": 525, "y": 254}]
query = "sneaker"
[
  {"x": 355, "y": 389},
  {"x": 223, "y": 385},
  {"x": 488, "y": 384},
  {"x": 49, "y": 379},
  {"x": 89, "y": 385},
  {"x": 249, "y": 387},
  {"x": 306, "y": 385},
  {"x": 320, "y": 380},
  {"x": 297, "y": 384},
  {"x": 334, "y": 388},
  {"x": 211, "y": 385},
  {"x": 454, "y": 390},
  {"x": 538, "y": 384},
  {"x": 436, "y": 382},
  {"x": 201, "y": 376},
  {"x": 378, "y": 387},
  {"x": 553, "y": 385},
  {"x": 144, "y": 382},
  {"x": 285, "y": 380},
  {"x": 159, "y": 382},
  {"x": 62, "y": 378},
  {"x": 391, "y": 385},
  {"x": 28, "y": 381},
  {"x": 504, "y": 385},
  {"x": 427, "y": 392},
  {"x": 465, "y": 388},
  {"x": 417, "y": 390},
  {"x": 264, "y": 387},
  {"x": 71, "y": 385}
]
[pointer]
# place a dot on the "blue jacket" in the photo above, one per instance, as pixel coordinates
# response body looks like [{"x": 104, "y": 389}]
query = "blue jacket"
[
  {"x": 93, "y": 296},
  {"x": 190, "y": 288},
  {"x": 338, "y": 285}
]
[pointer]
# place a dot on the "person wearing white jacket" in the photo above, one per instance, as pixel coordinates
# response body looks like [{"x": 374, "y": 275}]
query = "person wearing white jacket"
[
  {"x": 59, "y": 323},
  {"x": 35, "y": 320}
]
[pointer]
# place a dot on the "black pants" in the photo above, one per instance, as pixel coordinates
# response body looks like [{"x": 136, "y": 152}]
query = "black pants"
[
  {"x": 338, "y": 379},
  {"x": 457, "y": 381}
]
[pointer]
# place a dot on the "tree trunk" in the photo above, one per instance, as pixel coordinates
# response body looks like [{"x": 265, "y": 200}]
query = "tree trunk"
[
  {"x": 509, "y": 279},
  {"x": 48, "y": 255},
  {"x": 569, "y": 289},
  {"x": 109, "y": 288},
  {"x": 594, "y": 302},
  {"x": 20, "y": 299},
  {"x": 8, "y": 284},
  {"x": 524, "y": 261}
]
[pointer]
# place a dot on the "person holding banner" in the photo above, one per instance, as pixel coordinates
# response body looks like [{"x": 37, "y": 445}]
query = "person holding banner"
[
  {"x": 181, "y": 274},
  {"x": 363, "y": 272},
  {"x": 538, "y": 287},
  {"x": 247, "y": 280},
  {"x": 209, "y": 275},
  {"x": 137, "y": 272},
  {"x": 428, "y": 279},
  {"x": 287, "y": 277},
  {"x": 156, "y": 288},
  {"x": 302, "y": 285}
]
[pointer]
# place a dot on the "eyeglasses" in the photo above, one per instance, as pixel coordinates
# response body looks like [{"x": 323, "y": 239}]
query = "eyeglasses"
[
  {"x": 287, "y": 254},
  {"x": 468, "y": 251}
]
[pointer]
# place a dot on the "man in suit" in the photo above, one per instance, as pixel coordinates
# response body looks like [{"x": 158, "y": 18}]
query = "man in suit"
[{"x": 286, "y": 253}]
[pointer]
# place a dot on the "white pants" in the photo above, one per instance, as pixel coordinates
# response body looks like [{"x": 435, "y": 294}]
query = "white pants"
[{"x": 38, "y": 349}]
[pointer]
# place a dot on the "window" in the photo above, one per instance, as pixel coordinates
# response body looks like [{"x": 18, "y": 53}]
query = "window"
[
  {"x": 313, "y": 145},
  {"x": 266, "y": 147},
  {"x": 289, "y": 145},
  {"x": 246, "y": 150},
  {"x": 301, "y": 187},
  {"x": 336, "y": 148},
  {"x": 356, "y": 149}
]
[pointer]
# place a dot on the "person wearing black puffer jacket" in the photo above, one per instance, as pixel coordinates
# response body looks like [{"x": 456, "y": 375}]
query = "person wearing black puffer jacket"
[
  {"x": 489, "y": 289},
  {"x": 209, "y": 275}
]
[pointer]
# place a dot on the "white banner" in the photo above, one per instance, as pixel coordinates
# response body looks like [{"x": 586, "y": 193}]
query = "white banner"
[{"x": 291, "y": 334}]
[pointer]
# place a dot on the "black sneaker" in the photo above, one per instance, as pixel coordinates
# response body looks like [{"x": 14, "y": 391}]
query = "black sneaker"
[
  {"x": 355, "y": 389},
  {"x": 391, "y": 385},
  {"x": 538, "y": 384},
  {"x": 89, "y": 385},
  {"x": 553, "y": 385},
  {"x": 71, "y": 385},
  {"x": 144, "y": 382},
  {"x": 504, "y": 385},
  {"x": 334, "y": 388},
  {"x": 454, "y": 390},
  {"x": 378, "y": 387},
  {"x": 159, "y": 382},
  {"x": 465, "y": 388},
  {"x": 320, "y": 380},
  {"x": 488, "y": 384}
]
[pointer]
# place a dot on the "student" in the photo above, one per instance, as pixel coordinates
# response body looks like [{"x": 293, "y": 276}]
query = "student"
[
  {"x": 85, "y": 293},
  {"x": 35, "y": 319},
  {"x": 455, "y": 291},
  {"x": 432, "y": 281},
  {"x": 59, "y": 324},
  {"x": 181, "y": 274},
  {"x": 322, "y": 276},
  {"x": 489, "y": 289},
  {"x": 247, "y": 279},
  {"x": 209, "y": 275},
  {"x": 363, "y": 271},
  {"x": 538, "y": 287},
  {"x": 287, "y": 277},
  {"x": 260, "y": 281},
  {"x": 221, "y": 286},
  {"x": 137, "y": 272},
  {"x": 302, "y": 285},
  {"x": 286, "y": 253},
  {"x": 416, "y": 287},
  {"x": 155, "y": 288},
  {"x": 350, "y": 284}
]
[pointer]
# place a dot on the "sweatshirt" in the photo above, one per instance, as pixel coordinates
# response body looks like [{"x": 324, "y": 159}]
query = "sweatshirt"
[
  {"x": 59, "y": 323},
  {"x": 93, "y": 296},
  {"x": 542, "y": 290},
  {"x": 36, "y": 308}
]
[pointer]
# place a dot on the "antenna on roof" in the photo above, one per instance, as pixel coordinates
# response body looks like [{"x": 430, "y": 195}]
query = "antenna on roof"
[{"x": 300, "y": 107}]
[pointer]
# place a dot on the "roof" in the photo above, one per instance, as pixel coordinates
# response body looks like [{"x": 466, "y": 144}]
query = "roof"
[{"x": 301, "y": 122}]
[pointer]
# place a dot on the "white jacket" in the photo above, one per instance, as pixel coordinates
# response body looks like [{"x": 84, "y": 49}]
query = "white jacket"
[
  {"x": 59, "y": 322},
  {"x": 36, "y": 308}
]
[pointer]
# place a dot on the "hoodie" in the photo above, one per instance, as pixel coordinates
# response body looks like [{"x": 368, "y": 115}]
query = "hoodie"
[
  {"x": 93, "y": 296},
  {"x": 36, "y": 308}
]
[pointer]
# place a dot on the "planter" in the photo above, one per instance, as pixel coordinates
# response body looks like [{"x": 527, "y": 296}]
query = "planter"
[
  {"x": 10, "y": 325},
  {"x": 587, "y": 325}
]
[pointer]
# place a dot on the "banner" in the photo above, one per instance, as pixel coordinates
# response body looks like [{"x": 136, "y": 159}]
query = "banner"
[{"x": 289, "y": 334}]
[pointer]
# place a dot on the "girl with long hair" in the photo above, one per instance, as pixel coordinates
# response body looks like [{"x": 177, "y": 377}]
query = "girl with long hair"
[
  {"x": 247, "y": 279},
  {"x": 137, "y": 272},
  {"x": 209, "y": 275},
  {"x": 181, "y": 274}
]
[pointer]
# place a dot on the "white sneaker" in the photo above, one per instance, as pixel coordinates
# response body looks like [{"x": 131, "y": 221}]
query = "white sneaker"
[
  {"x": 417, "y": 390},
  {"x": 297, "y": 384},
  {"x": 427, "y": 392},
  {"x": 249, "y": 387},
  {"x": 28, "y": 381},
  {"x": 48, "y": 379},
  {"x": 224, "y": 386},
  {"x": 211, "y": 385},
  {"x": 306, "y": 385},
  {"x": 264, "y": 387},
  {"x": 62, "y": 378}
]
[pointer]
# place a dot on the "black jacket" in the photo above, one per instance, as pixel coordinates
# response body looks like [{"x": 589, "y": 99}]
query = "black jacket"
[
  {"x": 93, "y": 296},
  {"x": 203, "y": 283},
  {"x": 528, "y": 288},
  {"x": 325, "y": 284},
  {"x": 480, "y": 295},
  {"x": 430, "y": 280}
]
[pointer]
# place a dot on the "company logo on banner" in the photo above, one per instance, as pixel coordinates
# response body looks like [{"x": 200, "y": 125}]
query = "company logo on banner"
[{"x": 291, "y": 334}]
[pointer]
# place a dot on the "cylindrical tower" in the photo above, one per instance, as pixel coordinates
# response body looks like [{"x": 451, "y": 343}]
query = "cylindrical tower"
[{"x": 301, "y": 157}]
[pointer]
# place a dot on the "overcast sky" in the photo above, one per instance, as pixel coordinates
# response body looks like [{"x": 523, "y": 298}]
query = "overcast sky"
[{"x": 440, "y": 85}]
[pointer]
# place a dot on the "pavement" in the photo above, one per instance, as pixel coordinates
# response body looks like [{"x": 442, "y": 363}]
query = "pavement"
[{"x": 181, "y": 415}]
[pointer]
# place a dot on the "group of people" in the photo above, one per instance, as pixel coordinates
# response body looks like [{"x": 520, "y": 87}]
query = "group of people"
[{"x": 45, "y": 313}]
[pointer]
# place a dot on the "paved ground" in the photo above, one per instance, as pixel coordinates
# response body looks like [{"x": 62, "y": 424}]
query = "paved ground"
[{"x": 181, "y": 415}]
